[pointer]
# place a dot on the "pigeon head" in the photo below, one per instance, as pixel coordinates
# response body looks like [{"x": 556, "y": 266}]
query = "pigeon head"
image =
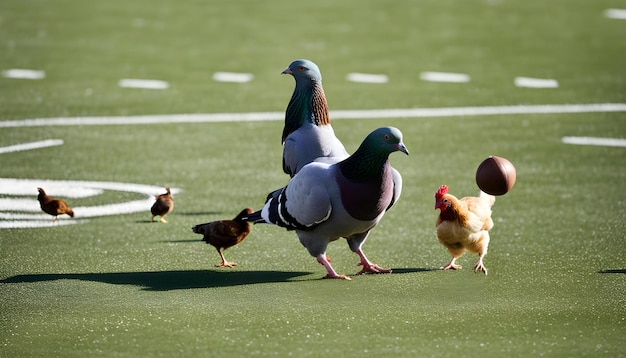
[
  {"x": 370, "y": 161},
  {"x": 304, "y": 70},
  {"x": 385, "y": 140}
]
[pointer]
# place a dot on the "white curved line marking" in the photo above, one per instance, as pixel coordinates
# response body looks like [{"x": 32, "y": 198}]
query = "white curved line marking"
[{"x": 68, "y": 188}]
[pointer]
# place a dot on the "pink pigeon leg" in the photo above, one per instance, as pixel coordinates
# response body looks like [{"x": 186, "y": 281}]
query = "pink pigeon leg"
[
  {"x": 369, "y": 267},
  {"x": 331, "y": 272}
]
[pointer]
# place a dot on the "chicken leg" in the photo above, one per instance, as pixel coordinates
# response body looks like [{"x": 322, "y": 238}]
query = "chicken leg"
[
  {"x": 451, "y": 265},
  {"x": 224, "y": 262},
  {"x": 480, "y": 266}
]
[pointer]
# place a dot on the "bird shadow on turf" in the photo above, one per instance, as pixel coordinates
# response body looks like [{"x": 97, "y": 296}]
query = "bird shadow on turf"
[
  {"x": 168, "y": 280},
  {"x": 201, "y": 213},
  {"x": 414, "y": 269},
  {"x": 613, "y": 271}
]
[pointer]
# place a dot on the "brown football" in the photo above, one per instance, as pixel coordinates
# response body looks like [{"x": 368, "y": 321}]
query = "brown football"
[{"x": 495, "y": 175}]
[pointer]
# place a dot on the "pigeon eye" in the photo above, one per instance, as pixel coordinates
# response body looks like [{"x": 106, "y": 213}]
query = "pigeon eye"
[
  {"x": 387, "y": 137},
  {"x": 301, "y": 68}
]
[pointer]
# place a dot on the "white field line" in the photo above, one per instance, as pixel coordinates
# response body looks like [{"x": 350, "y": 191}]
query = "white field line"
[
  {"x": 141, "y": 83},
  {"x": 450, "y": 77},
  {"x": 33, "y": 145},
  {"x": 605, "y": 142},
  {"x": 536, "y": 82},
  {"x": 338, "y": 114},
  {"x": 232, "y": 77},
  {"x": 367, "y": 78},
  {"x": 24, "y": 74},
  {"x": 617, "y": 14}
]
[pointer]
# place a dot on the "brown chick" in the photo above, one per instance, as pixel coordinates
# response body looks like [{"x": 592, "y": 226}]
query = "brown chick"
[
  {"x": 163, "y": 205},
  {"x": 53, "y": 206},
  {"x": 223, "y": 234},
  {"x": 463, "y": 225}
]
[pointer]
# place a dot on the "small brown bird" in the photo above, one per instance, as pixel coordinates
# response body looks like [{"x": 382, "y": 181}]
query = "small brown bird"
[
  {"x": 53, "y": 206},
  {"x": 223, "y": 234},
  {"x": 163, "y": 205}
]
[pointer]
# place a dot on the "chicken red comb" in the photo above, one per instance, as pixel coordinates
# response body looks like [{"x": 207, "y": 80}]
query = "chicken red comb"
[{"x": 443, "y": 190}]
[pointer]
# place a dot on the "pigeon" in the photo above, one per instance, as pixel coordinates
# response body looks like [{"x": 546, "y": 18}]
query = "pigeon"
[
  {"x": 223, "y": 234},
  {"x": 163, "y": 205},
  {"x": 53, "y": 206},
  {"x": 308, "y": 135},
  {"x": 324, "y": 202}
]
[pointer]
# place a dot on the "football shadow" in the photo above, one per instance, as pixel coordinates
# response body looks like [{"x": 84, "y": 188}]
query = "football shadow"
[{"x": 168, "y": 280}]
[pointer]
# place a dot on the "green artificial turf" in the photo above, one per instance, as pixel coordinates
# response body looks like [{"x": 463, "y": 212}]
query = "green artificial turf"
[{"x": 122, "y": 286}]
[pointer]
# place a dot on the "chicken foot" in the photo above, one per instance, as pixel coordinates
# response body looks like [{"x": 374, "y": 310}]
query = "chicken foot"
[
  {"x": 479, "y": 265},
  {"x": 224, "y": 262},
  {"x": 451, "y": 265}
]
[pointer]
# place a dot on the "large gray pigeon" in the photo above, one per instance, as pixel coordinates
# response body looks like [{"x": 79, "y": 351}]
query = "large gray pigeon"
[
  {"x": 325, "y": 202},
  {"x": 307, "y": 134}
]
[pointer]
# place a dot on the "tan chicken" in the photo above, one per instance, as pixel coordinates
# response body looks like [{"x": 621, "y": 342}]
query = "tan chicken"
[
  {"x": 223, "y": 234},
  {"x": 163, "y": 205},
  {"x": 463, "y": 225},
  {"x": 53, "y": 206}
]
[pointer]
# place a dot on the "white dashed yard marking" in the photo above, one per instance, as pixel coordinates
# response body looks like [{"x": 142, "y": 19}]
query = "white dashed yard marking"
[
  {"x": 338, "y": 114},
  {"x": 31, "y": 145},
  {"x": 232, "y": 77},
  {"x": 603, "y": 142},
  {"x": 617, "y": 14},
  {"x": 536, "y": 82},
  {"x": 449, "y": 77},
  {"x": 24, "y": 74},
  {"x": 367, "y": 78},
  {"x": 142, "y": 83}
]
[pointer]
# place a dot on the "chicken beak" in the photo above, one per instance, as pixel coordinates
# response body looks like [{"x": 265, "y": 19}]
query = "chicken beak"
[{"x": 287, "y": 71}]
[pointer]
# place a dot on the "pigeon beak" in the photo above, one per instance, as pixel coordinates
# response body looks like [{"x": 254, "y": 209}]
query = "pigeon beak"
[
  {"x": 401, "y": 147},
  {"x": 287, "y": 71}
]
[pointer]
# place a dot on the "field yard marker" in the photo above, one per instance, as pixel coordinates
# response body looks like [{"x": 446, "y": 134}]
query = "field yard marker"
[
  {"x": 24, "y": 74},
  {"x": 232, "y": 77},
  {"x": 367, "y": 78},
  {"x": 604, "y": 142},
  {"x": 337, "y": 114},
  {"x": 618, "y": 14},
  {"x": 141, "y": 83},
  {"x": 444, "y": 77},
  {"x": 32, "y": 145},
  {"x": 536, "y": 82}
]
